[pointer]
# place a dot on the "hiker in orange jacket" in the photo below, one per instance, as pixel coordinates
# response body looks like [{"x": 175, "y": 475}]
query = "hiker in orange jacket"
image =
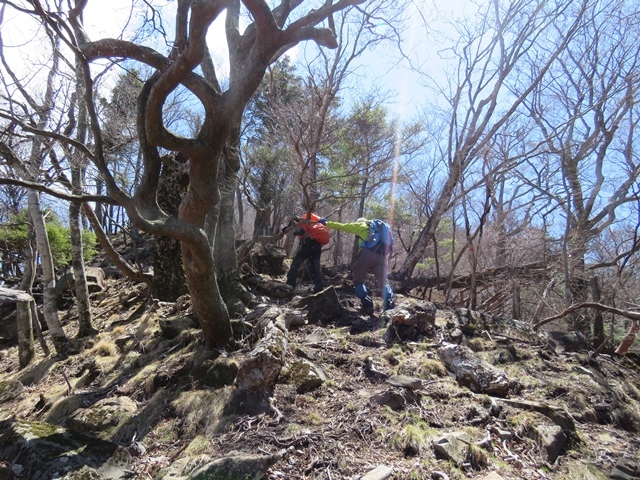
[{"x": 312, "y": 237}]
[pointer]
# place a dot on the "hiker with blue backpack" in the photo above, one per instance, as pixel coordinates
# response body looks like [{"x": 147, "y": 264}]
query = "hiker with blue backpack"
[{"x": 376, "y": 242}]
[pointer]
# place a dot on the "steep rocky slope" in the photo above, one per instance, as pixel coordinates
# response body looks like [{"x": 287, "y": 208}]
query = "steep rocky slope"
[{"x": 445, "y": 394}]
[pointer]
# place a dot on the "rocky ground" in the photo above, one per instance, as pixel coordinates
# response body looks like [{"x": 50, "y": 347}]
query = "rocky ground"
[{"x": 442, "y": 394}]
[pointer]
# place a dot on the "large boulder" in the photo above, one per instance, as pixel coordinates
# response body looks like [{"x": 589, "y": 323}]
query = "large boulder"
[
  {"x": 473, "y": 372},
  {"x": 237, "y": 466},
  {"x": 323, "y": 307},
  {"x": 102, "y": 417},
  {"x": 66, "y": 284},
  {"x": 411, "y": 324},
  {"x": 260, "y": 369},
  {"x": 42, "y": 451},
  {"x": 216, "y": 373},
  {"x": 550, "y": 439}
]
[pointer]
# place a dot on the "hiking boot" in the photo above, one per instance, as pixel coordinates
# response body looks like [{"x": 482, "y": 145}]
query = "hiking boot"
[
  {"x": 367, "y": 305},
  {"x": 389, "y": 304},
  {"x": 318, "y": 289}
]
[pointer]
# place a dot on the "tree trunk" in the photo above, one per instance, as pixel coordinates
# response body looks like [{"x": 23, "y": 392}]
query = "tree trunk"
[
  {"x": 169, "y": 280},
  {"x": 85, "y": 321},
  {"x": 428, "y": 231},
  {"x": 99, "y": 207},
  {"x": 207, "y": 301},
  {"x": 598, "y": 322},
  {"x": 337, "y": 243},
  {"x": 516, "y": 305},
  {"x": 240, "y": 211},
  {"x": 26, "y": 348},
  {"x": 49, "y": 306},
  {"x": 578, "y": 285},
  {"x": 220, "y": 228}
]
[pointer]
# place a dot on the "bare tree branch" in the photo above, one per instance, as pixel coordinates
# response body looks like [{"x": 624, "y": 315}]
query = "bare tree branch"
[{"x": 632, "y": 315}]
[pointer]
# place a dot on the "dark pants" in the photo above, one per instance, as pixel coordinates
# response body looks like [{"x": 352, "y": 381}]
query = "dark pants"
[{"x": 308, "y": 249}]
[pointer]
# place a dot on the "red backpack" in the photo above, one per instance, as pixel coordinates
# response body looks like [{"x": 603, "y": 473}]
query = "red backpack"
[{"x": 317, "y": 231}]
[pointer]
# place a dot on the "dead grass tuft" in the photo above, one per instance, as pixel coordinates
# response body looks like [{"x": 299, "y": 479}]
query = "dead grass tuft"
[
  {"x": 203, "y": 411},
  {"x": 104, "y": 348}
]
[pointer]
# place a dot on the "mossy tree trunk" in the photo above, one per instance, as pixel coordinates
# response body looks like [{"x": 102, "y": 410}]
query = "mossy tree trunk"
[{"x": 169, "y": 281}]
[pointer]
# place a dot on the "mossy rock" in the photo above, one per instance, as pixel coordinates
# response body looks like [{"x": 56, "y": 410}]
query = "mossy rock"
[
  {"x": 103, "y": 416},
  {"x": 174, "y": 326},
  {"x": 305, "y": 376},
  {"x": 45, "y": 450},
  {"x": 10, "y": 390},
  {"x": 221, "y": 372}
]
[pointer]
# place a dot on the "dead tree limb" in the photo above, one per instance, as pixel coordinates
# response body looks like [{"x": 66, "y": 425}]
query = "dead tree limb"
[
  {"x": 628, "y": 339},
  {"x": 635, "y": 316},
  {"x": 543, "y": 300},
  {"x": 119, "y": 261}
]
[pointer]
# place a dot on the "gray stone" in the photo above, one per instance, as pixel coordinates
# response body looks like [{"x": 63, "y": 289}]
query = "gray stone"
[
  {"x": 265, "y": 258},
  {"x": 49, "y": 451},
  {"x": 456, "y": 334},
  {"x": 421, "y": 317},
  {"x": 492, "y": 476},
  {"x": 239, "y": 467},
  {"x": 558, "y": 415},
  {"x": 410, "y": 324},
  {"x": 10, "y": 390},
  {"x": 306, "y": 353},
  {"x": 390, "y": 398},
  {"x": 220, "y": 372},
  {"x": 306, "y": 376},
  {"x": 381, "y": 472},
  {"x": 236, "y": 466},
  {"x": 259, "y": 370},
  {"x": 473, "y": 372},
  {"x": 103, "y": 416},
  {"x": 503, "y": 434},
  {"x": 453, "y": 446},
  {"x": 626, "y": 469},
  {"x": 405, "y": 382},
  {"x": 264, "y": 284},
  {"x": 550, "y": 439},
  {"x": 66, "y": 283}
]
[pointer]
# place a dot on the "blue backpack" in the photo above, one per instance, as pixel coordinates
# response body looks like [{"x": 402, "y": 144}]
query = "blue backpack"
[{"x": 380, "y": 237}]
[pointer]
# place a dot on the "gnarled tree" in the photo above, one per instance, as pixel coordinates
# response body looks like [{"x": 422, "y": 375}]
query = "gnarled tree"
[{"x": 212, "y": 152}]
